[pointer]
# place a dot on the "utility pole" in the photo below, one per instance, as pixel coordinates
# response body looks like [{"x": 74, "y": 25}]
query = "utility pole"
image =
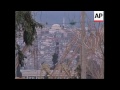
[{"x": 82, "y": 53}]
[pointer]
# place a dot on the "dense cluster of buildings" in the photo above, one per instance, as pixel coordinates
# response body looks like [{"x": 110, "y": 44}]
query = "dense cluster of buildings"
[
  {"x": 44, "y": 46},
  {"x": 47, "y": 42}
]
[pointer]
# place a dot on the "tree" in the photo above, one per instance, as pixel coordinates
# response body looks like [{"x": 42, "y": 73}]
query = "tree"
[
  {"x": 95, "y": 51},
  {"x": 83, "y": 49},
  {"x": 72, "y": 23},
  {"x": 92, "y": 48},
  {"x": 78, "y": 70},
  {"x": 55, "y": 59},
  {"x": 24, "y": 22}
]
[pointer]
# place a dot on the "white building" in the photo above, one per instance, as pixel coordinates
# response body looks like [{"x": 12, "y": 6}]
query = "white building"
[{"x": 56, "y": 27}]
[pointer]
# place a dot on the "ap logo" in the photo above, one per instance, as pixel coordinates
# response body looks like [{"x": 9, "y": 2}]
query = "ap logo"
[{"x": 98, "y": 16}]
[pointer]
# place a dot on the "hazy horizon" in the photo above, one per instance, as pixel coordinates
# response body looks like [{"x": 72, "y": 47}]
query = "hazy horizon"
[{"x": 56, "y": 17}]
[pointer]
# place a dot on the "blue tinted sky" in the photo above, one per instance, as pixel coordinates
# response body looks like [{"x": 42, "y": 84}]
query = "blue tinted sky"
[{"x": 52, "y": 17}]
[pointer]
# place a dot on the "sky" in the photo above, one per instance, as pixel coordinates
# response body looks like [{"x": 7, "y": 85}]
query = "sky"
[{"x": 56, "y": 17}]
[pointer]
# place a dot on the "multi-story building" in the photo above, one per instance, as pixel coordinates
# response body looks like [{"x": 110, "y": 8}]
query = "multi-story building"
[{"x": 45, "y": 46}]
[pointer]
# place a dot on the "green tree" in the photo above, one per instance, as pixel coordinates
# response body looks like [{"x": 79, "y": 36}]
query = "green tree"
[
  {"x": 25, "y": 22},
  {"x": 72, "y": 23},
  {"x": 55, "y": 59}
]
